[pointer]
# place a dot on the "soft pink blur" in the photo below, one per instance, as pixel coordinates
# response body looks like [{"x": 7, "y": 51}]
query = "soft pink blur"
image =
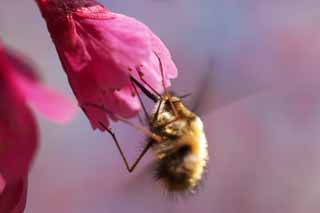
[
  {"x": 47, "y": 101},
  {"x": 263, "y": 132},
  {"x": 19, "y": 132}
]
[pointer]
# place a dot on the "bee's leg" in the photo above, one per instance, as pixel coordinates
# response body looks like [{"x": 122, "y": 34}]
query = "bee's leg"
[
  {"x": 148, "y": 133},
  {"x": 144, "y": 151},
  {"x": 140, "y": 128},
  {"x": 141, "y": 120},
  {"x": 155, "y": 118}
]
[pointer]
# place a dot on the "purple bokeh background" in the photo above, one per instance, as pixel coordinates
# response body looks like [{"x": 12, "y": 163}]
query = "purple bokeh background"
[{"x": 261, "y": 110}]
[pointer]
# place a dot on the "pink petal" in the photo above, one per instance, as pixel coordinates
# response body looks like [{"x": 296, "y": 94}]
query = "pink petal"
[
  {"x": 47, "y": 101},
  {"x": 74, "y": 55},
  {"x": 84, "y": 87},
  {"x": 122, "y": 102},
  {"x": 121, "y": 44},
  {"x": 18, "y": 135},
  {"x": 2, "y": 184},
  {"x": 100, "y": 50},
  {"x": 13, "y": 198},
  {"x": 124, "y": 39},
  {"x": 18, "y": 142}
]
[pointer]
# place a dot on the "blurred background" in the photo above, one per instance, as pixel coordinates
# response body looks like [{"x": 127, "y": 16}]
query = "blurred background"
[{"x": 261, "y": 110}]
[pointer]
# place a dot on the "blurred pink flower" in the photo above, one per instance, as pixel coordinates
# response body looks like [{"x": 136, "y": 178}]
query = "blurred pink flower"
[
  {"x": 18, "y": 130},
  {"x": 13, "y": 198},
  {"x": 100, "y": 50}
]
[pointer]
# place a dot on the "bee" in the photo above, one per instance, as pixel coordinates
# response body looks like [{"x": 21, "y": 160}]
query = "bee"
[
  {"x": 176, "y": 136},
  {"x": 182, "y": 154}
]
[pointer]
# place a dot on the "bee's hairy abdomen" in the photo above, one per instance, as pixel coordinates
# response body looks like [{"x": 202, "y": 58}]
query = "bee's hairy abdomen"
[{"x": 181, "y": 162}]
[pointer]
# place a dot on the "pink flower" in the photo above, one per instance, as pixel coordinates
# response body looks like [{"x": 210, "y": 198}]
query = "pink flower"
[
  {"x": 18, "y": 130},
  {"x": 13, "y": 198},
  {"x": 100, "y": 50}
]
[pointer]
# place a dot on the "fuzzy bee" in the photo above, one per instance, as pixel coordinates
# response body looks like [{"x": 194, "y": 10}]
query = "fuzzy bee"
[
  {"x": 182, "y": 154},
  {"x": 176, "y": 136}
]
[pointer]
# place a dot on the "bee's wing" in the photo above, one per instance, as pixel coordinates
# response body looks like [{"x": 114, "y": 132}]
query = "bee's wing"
[{"x": 214, "y": 92}]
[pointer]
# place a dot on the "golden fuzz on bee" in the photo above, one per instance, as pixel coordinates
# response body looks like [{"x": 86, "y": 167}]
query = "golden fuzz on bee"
[{"x": 182, "y": 155}]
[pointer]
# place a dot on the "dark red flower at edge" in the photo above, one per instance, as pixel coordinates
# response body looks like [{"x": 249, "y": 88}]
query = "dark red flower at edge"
[
  {"x": 100, "y": 50},
  {"x": 18, "y": 130},
  {"x": 13, "y": 198}
]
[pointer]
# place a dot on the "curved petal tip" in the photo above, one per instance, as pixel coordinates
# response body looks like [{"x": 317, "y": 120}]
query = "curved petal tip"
[{"x": 48, "y": 102}]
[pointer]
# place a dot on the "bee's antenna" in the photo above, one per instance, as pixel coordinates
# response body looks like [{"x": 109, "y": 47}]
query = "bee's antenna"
[
  {"x": 158, "y": 111},
  {"x": 162, "y": 74},
  {"x": 164, "y": 86},
  {"x": 141, "y": 120}
]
